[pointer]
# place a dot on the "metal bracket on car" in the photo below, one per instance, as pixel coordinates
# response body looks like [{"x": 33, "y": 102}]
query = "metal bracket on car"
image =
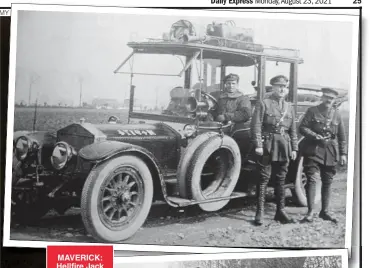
[
  {"x": 39, "y": 169},
  {"x": 126, "y": 60},
  {"x": 56, "y": 189},
  {"x": 221, "y": 133},
  {"x": 190, "y": 62}
]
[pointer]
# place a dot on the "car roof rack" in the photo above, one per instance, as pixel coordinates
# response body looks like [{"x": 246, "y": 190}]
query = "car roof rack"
[{"x": 227, "y": 50}]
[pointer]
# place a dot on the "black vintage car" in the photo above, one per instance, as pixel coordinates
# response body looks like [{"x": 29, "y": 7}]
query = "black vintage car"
[{"x": 115, "y": 171}]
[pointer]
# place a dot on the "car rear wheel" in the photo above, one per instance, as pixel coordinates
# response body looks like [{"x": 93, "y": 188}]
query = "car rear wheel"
[
  {"x": 220, "y": 158},
  {"x": 116, "y": 198},
  {"x": 299, "y": 190}
]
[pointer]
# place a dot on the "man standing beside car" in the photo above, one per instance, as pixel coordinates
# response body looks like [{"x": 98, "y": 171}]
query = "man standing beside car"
[
  {"x": 274, "y": 134},
  {"x": 233, "y": 106},
  {"x": 323, "y": 146}
]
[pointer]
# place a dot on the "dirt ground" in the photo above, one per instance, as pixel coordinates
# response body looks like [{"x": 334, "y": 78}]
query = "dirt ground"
[{"x": 230, "y": 227}]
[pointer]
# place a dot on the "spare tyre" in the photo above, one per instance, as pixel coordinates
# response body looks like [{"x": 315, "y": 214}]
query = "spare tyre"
[
  {"x": 214, "y": 171},
  {"x": 185, "y": 162}
]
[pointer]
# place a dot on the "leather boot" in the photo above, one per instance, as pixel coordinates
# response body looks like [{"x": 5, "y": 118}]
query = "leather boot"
[
  {"x": 281, "y": 214},
  {"x": 310, "y": 193},
  {"x": 261, "y": 194},
  {"x": 325, "y": 201}
]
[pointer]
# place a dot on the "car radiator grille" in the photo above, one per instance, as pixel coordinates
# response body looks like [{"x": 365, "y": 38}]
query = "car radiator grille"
[{"x": 75, "y": 140}]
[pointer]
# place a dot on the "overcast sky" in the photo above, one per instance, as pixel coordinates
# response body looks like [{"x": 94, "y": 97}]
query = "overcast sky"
[{"x": 60, "y": 47}]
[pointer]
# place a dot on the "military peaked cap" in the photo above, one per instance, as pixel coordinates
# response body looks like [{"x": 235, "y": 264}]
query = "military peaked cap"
[
  {"x": 232, "y": 77},
  {"x": 279, "y": 80}
]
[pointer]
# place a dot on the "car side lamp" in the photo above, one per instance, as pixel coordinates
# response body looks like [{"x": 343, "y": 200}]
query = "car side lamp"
[
  {"x": 61, "y": 155},
  {"x": 24, "y": 147}
]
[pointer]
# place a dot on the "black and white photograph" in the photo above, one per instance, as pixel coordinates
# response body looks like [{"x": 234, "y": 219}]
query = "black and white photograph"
[
  {"x": 194, "y": 129},
  {"x": 277, "y": 259}
]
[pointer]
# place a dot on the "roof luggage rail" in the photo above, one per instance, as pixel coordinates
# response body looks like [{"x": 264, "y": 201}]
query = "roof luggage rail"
[{"x": 220, "y": 42}]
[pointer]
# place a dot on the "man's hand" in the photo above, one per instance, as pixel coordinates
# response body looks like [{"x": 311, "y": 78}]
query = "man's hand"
[
  {"x": 319, "y": 137},
  {"x": 221, "y": 118},
  {"x": 259, "y": 151},
  {"x": 294, "y": 155},
  {"x": 343, "y": 160}
]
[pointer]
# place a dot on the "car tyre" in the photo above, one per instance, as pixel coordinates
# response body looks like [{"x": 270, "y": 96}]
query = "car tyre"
[
  {"x": 227, "y": 166},
  {"x": 185, "y": 160},
  {"x": 122, "y": 185}
]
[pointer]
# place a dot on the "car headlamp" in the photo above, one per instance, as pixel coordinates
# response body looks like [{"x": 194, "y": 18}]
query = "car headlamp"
[
  {"x": 61, "y": 155},
  {"x": 23, "y": 146},
  {"x": 189, "y": 130}
]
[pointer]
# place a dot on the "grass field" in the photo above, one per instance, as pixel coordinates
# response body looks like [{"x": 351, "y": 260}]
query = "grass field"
[{"x": 52, "y": 119}]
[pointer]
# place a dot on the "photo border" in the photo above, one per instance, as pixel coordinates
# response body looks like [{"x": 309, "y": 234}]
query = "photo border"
[
  {"x": 226, "y": 256},
  {"x": 162, "y": 11}
]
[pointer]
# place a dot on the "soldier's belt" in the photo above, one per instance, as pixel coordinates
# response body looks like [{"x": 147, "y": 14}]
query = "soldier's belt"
[
  {"x": 327, "y": 139},
  {"x": 329, "y": 136},
  {"x": 268, "y": 132}
]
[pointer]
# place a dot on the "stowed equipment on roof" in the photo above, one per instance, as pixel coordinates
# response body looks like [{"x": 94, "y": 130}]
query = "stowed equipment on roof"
[{"x": 216, "y": 34}]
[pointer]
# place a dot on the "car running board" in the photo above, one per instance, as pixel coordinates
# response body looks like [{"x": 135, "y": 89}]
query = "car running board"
[{"x": 176, "y": 201}]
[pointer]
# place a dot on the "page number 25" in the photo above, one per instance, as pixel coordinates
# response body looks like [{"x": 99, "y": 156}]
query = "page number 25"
[{"x": 356, "y": 2}]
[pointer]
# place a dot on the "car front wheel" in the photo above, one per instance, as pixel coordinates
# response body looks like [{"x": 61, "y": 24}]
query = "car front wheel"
[{"x": 116, "y": 198}]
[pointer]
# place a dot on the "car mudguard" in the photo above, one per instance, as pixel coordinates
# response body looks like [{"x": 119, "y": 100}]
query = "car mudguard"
[{"x": 102, "y": 151}]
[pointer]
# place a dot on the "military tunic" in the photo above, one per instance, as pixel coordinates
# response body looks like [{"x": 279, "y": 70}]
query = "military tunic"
[
  {"x": 277, "y": 127},
  {"x": 236, "y": 107},
  {"x": 315, "y": 122}
]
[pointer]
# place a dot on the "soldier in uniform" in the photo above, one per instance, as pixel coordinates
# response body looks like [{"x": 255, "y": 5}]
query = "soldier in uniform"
[
  {"x": 274, "y": 135},
  {"x": 236, "y": 107},
  {"x": 233, "y": 105},
  {"x": 323, "y": 146}
]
